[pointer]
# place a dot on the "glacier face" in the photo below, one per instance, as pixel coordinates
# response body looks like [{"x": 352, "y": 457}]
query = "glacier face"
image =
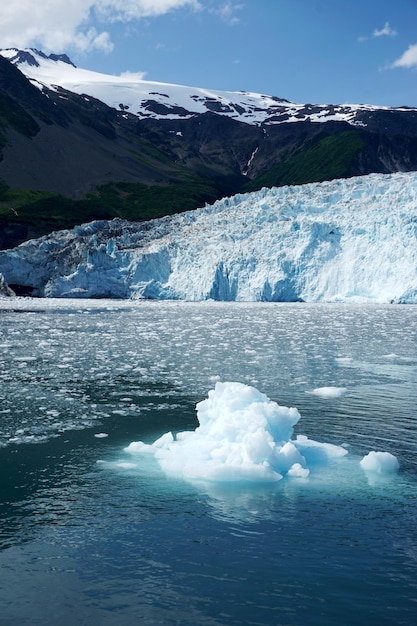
[
  {"x": 345, "y": 240},
  {"x": 5, "y": 291}
]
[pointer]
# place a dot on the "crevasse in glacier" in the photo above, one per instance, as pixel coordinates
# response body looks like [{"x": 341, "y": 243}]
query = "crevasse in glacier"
[{"x": 343, "y": 240}]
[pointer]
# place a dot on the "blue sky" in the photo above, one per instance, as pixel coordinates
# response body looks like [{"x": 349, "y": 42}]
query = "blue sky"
[{"x": 304, "y": 50}]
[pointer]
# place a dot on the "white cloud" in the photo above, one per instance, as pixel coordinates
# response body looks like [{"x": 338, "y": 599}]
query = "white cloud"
[
  {"x": 91, "y": 39},
  {"x": 128, "y": 10},
  {"x": 408, "y": 59},
  {"x": 132, "y": 77},
  {"x": 227, "y": 12},
  {"x": 387, "y": 31},
  {"x": 56, "y": 25}
]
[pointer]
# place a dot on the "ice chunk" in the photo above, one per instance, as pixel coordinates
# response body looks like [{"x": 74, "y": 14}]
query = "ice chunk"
[
  {"x": 242, "y": 436},
  {"x": 380, "y": 463},
  {"x": 329, "y": 392}
]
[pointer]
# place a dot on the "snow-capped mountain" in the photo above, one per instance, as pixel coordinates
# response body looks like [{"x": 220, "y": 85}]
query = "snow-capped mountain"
[
  {"x": 76, "y": 146},
  {"x": 154, "y": 100},
  {"x": 344, "y": 240}
]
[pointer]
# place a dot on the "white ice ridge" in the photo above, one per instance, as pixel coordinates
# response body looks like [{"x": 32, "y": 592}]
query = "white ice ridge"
[
  {"x": 348, "y": 240},
  {"x": 242, "y": 436}
]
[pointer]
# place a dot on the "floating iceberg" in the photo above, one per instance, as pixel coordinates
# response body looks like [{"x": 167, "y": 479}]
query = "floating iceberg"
[
  {"x": 329, "y": 392},
  {"x": 380, "y": 463},
  {"x": 242, "y": 436}
]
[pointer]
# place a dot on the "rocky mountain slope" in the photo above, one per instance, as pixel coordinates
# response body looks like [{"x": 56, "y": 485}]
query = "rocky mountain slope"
[{"x": 77, "y": 146}]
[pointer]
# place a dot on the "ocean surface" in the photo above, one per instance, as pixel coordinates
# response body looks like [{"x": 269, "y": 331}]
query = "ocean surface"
[{"x": 88, "y": 537}]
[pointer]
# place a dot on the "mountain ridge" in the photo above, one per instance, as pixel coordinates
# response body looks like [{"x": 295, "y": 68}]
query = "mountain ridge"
[{"x": 249, "y": 107}]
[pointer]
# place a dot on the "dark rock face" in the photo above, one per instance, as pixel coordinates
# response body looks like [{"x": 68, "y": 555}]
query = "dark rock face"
[
  {"x": 164, "y": 109},
  {"x": 13, "y": 233},
  {"x": 25, "y": 56},
  {"x": 61, "y": 57},
  {"x": 22, "y": 56}
]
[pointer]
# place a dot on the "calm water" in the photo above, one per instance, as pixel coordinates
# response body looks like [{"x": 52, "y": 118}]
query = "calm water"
[{"x": 86, "y": 540}]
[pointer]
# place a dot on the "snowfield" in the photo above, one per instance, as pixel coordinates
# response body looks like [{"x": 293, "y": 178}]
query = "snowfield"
[{"x": 349, "y": 240}]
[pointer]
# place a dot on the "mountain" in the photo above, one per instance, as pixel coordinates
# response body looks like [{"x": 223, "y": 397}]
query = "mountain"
[
  {"x": 344, "y": 240},
  {"x": 77, "y": 146},
  {"x": 162, "y": 101}
]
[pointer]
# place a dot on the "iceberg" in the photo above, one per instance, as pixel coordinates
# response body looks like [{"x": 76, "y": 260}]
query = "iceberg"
[
  {"x": 347, "y": 240},
  {"x": 242, "y": 436},
  {"x": 380, "y": 463},
  {"x": 329, "y": 392}
]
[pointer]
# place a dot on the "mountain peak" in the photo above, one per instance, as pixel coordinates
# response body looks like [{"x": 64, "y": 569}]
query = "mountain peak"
[
  {"x": 32, "y": 56},
  {"x": 61, "y": 57}
]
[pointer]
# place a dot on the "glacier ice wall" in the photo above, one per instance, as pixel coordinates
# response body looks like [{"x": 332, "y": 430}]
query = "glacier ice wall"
[
  {"x": 5, "y": 291},
  {"x": 344, "y": 240}
]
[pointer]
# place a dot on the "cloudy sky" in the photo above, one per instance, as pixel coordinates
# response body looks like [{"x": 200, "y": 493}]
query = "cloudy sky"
[{"x": 361, "y": 51}]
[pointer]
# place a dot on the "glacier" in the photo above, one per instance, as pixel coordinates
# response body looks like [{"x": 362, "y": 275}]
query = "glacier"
[
  {"x": 5, "y": 291},
  {"x": 347, "y": 240}
]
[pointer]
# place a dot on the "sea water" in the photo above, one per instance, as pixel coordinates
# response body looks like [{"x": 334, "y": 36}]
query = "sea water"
[{"x": 91, "y": 534}]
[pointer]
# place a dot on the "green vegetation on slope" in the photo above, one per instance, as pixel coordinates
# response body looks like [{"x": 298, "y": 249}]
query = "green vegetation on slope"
[
  {"x": 131, "y": 201},
  {"x": 12, "y": 114},
  {"x": 329, "y": 158}
]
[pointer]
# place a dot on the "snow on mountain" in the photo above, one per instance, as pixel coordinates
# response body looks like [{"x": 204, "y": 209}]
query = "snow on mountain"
[
  {"x": 344, "y": 240},
  {"x": 156, "y": 100}
]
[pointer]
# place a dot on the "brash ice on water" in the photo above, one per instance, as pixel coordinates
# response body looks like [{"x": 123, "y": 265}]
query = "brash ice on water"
[{"x": 245, "y": 436}]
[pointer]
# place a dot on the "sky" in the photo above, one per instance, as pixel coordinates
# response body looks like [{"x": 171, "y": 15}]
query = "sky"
[{"x": 307, "y": 51}]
